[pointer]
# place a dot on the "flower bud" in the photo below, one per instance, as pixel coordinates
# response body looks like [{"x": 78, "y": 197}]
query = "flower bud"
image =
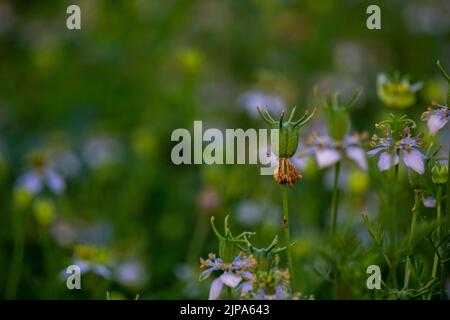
[
  {"x": 396, "y": 91},
  {"x": 439, "y": 173},
  {"x": 338, "y": 118}
]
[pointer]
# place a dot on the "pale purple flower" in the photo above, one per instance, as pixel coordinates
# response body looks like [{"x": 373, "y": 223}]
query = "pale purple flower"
[
  {"x": 406, "y": 149},
  {"x": 328, "y": 152},
  {"x": 35, "y": 180},
  {"x": 131, "y": 274},
  {"x": 102, "y": 151},
  {"x": 436, "y": 118},
  {"x": 429, "y": 202},
  {"x": 232, "y": 273},
  {"x": 252, "y": 99}
]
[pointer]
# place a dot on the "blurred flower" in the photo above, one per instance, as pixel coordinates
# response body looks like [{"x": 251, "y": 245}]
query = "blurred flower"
[
  {"x": 249, "y": 213},
  {"x": 41, "y": 174},
  {"x": 92, "y": 259},
  {"x": 44, "y": 211},
  {"x": 328, "y": 151},
  {"x": 431, "y": 17},
  {"x": 429, "y": 202},
  {"x": 131, "y": 274},
  {"x": 437, "y": 117},
  {"x": 101, "y": 151},
  {"x": 397, "y": 91},
  {"x": 66, "y": 162},
  {"x": 359, "y": 182},
  {"x": 191, "y": 60},
  {"x": 231, "y": 273},
  {"x": 208, "y": 200},
  {"x": 252, "y": 99},
  {"x": 64, "y": 232}
]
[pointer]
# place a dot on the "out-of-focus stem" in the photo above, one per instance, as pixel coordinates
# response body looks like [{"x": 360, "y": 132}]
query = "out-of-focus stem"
[
  {"x": 415, "y": 212},
  {"x": 335, "y": 198},
  {"x": 287, "y": 237}
]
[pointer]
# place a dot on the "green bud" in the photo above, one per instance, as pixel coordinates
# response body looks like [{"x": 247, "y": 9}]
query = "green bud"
[
  {"x": 439, "y": 173},
  {"x": 284, "y": 145},
  {"x": 338, "y": 118}
]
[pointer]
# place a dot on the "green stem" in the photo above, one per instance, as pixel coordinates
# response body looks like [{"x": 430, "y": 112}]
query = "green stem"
[
  {"x": 415, "y": 213},
  {"x": 439, "y": 221},
  {"x": 17, "y": 256},
  {"x": 445, "y": 226},
  {"x": 335, "y": 198},
  {"x": 287, "y": 237},
  {"x": 394, "y": 225}
]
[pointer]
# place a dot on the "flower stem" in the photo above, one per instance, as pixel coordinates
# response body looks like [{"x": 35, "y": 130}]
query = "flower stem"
[
  {"x": 287, "y": 237},
  {"x": 444, "y": 226},
  {"x": 415, "y": 212},
  {"x": 439, "y": 221},
  {"x": 335, "y": 198},
  {"x": 17, "y": 256},
  {"x": 394, "y": 225}
]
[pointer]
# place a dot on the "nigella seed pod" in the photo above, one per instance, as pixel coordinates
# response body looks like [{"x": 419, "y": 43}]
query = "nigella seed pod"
[{"x": 285, "y": 141}]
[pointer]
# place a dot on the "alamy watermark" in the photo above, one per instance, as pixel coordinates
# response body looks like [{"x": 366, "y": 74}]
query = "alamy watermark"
[{"x": 234, "y": 146}]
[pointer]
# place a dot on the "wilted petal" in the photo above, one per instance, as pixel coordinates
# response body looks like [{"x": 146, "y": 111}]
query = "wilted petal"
[
  {"x": 429, "y": 202},
  {"x": 436, "y": 122},
  {"x": 357, "y": 155},
  {"x": 414, "y": 160},
  {"x": 327, "y": 157},
  {"x": 387, "y": 160},
  {"x": 215, "y": 289},
  {"x": 55, "y": 182},
  {"x": 231, "y": 279},
  {"x": 31, "y": 181}
]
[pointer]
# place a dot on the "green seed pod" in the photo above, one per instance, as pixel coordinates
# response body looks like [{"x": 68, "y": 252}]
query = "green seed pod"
[
  {"x": 439, "y": 173},
  {"x": 285, "y": 139}
]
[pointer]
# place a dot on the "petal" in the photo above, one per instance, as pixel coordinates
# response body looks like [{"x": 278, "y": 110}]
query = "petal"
[
  {"x": 31, "y": 181},
  {"x": 246, "y": 286},
  {"x": 414, "y": 160},
  {"x": 436, "y": 122},
  {"x": 357, "y": 155},
  {"x": 230, "y": 279},
  {"x": 205, "y": 274},
  {"x": 429, "y": 202},
  {"x": 247, "y": 275},
  {"x": 387, "y": 160},
  {"x": 373, "y": 152},
  {"x": 327, "y": 157},
  {"x": 215, "y": 289},
  {"x": 55, "y": 182},
  {"x": 102, "y": 271}
]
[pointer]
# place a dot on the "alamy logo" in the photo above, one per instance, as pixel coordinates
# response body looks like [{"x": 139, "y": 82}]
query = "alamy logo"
[
  {"x": 374, "y": 280},
  {"x": 74, "y": 280},
  {"x": 237, "y": 146}
]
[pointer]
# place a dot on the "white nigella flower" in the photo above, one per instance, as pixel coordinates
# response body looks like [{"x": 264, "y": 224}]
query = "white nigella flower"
[
  {"x": 406, "y": 148},
  {"x": 328, "y": 152},
  {"x": 436, "y": 118}
]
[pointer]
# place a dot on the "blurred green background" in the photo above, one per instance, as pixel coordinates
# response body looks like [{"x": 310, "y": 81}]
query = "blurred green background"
[{"x": 98, "y": 106}]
